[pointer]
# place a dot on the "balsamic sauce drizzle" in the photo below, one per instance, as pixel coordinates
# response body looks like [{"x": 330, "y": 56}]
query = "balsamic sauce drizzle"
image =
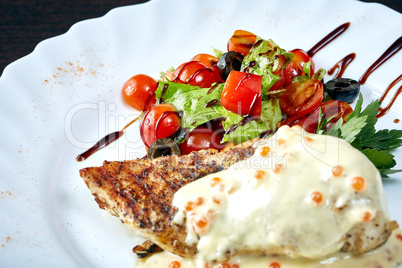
[
  {"x": 342, "y": 65},
  {"x": 392, "y": 50},
  {"x": 383, "y": 111},
  {"x": 327, "y": 39},
  {"x": 105, "y": 141}
]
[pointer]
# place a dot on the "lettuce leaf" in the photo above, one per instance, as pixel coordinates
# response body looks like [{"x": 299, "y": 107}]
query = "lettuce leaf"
[
  {"x": 263, "y": 59},
  {"x": 192, "y": 101}
]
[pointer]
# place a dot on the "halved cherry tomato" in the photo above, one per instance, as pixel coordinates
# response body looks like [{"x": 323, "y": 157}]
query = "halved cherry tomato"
[
  {"x": 194, "y": 73},
  {"x": 281, "y": 73},
  {"x": 201, "y": 138},
  {"x": 139, "y": 92},
  {"x": 211, "y": 62},
  {"x": 242, "y": 93},
  {"x": 161, "y": 121},
  {"x": 330, "y": 108},
  {"x": 302, "y": 97},
  {"x": 241, "y": 41},
  {"x": 295, "y": 67}
]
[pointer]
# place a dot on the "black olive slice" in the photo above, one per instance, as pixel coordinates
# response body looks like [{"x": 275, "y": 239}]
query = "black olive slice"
[
  {"x": 163, "y": 147},
  {"x": 229, "y": 61},
  {"x": 343, "y": 89}
]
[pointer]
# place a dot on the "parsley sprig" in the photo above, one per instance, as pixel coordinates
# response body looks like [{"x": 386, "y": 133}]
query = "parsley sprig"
[{"x": 359, "y": 130}]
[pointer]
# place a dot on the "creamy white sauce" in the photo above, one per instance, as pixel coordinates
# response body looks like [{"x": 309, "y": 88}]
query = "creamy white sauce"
[
  {"x": 276, "y": 213},
  {"x": 388, "y": 255}
]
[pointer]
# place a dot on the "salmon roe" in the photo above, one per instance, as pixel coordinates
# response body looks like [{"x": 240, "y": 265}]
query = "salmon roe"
[
  {"x": 224, "y": 265},
  {"x": 316, "y": 197},
  {"x": 215, "y": 181},
  {"x": 199, "y": 201},
  {"x": 201, "y": 222},
  {"x": 264, "y": 151},
  {"x": 274, "y": 265},
  {"x": 367, "y": 216},
  {"x": 358, "y": 184},
  {"x": 216, "y": 200},
  {"x": 399, "y": 237},
  {"x": 308, "y": 139},
  {"x": 175, "y": 264},
  {"x": 189, "y": 206},
  {"x": 259, "y": 174},
  {"x": 337, "y": 171},
  {"x": 278, "y": 167},
  {"x": 211, "y": 214},
  {"x": 281, "y": 142}
]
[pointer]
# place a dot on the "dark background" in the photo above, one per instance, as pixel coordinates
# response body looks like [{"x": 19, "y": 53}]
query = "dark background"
[{"x": 24, "y": 23}]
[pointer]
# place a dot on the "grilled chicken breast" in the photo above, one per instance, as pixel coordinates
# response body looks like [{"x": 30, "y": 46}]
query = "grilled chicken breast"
[{"x": 140, "y": 192}]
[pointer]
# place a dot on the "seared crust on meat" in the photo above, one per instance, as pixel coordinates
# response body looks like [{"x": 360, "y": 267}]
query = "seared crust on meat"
[{"x": 140, "y": 192}]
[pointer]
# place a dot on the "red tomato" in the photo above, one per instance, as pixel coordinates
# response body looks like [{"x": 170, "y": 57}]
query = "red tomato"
[
  {"x": 303, "y": 121},
  {"x": 201, "y": 138},
  {"x": 295, "y": 67},
  {"x": 206, "y": 59},
  {"x": 211, "y": 62},
  {"x": 301, "y": 98},
  {"x": 139, "y": 92},
  {"x": 194, "y": 73},
  {"x": 161, "y": 121},
  {"x": 242, "y": 93},
  {"x": 241, "y": 41},
  {"x": 281, "y": 73},
  {"x": 330, "y": 108}
]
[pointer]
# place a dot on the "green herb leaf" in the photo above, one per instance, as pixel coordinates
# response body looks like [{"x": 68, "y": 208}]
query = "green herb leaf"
[
  {"x": 192, "y": 101},
  {"x": 383, "y": 160},
  {"x": 265, "y": 58}
]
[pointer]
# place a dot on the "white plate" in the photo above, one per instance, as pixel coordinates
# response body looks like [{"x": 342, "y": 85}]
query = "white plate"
[{"x": 64, "y": 96}]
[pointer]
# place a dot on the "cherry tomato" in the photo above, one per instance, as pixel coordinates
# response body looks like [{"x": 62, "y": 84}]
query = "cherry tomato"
[
  {"x": 201, "y": 138},
  {"x": 302, "y": 97},
  {"x": 211, "y": 62},
  {"x": 241, "y": 41},
  {"x": 139, "y": 92},
  {"x": 206, "y": 59},
  {"x": 281, "y": 73},
  {"x": 194, "y": 73},
  {"x": 295, "y": 67},
  {"x": 303, "y": 121},
  {"x": 330, "y": 108},
  {"x": 161, "y": 121},
  {"x": 242, "y": 93}
]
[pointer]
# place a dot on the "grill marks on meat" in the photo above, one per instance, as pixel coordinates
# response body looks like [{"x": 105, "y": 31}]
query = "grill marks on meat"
[{"x": 140, "y": 192}]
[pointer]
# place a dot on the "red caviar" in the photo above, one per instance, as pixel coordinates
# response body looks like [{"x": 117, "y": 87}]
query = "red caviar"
[
  {"x": 216, "y": 200},
  {"x": 281, "y": 142},
  {"x": 337, "y": 171},
  {"x": 316, "y": 197},
  {"x": 274, "y": 265},
  {"x": 399, "y": 237},
  {"x": 199, "y": 201},
  {"x": 367, "y": 216},
  {"x": 259, "y": 174},
  {"x": 265, "y": 150},
  {"x": 224, "y": 265},
  {"x": 308, "y": 139},
  {"x": 215, "y": 181},
  {"x": 201, "y": 222},
  {"x": 175, "y": 264},
  {"x": 358, "y": 184},
  {"x": 189, "y": 206}
]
